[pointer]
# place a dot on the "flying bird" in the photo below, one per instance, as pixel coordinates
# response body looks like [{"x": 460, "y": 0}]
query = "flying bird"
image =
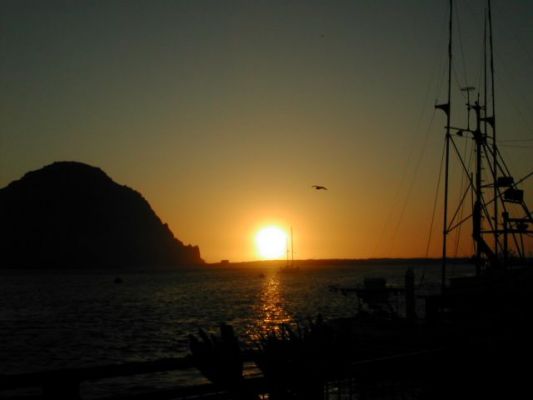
[{"x": 318, "y": 187}]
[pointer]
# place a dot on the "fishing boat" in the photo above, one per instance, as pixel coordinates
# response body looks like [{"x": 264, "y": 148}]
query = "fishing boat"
[
  {"x": 500, "y": 221},
  {"x": 478, "y": 326},
  {"x": 489, "y": 310},
  {"x": 498, "y": 216}
]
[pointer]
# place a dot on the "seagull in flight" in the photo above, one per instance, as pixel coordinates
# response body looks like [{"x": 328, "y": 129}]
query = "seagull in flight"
[{"x": 318, "y": 187}]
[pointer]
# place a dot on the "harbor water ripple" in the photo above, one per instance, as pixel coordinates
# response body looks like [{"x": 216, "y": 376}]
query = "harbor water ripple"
[{"x": 51, "y": 320}]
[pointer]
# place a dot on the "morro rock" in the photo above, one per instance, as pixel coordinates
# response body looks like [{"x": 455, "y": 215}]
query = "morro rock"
[{"x": 72, "y": 215}]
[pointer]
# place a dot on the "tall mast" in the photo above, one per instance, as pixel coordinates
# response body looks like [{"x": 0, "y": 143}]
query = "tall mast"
[
  {"x": 494, "y": 149},
  {"x": 447, "y": 109}
]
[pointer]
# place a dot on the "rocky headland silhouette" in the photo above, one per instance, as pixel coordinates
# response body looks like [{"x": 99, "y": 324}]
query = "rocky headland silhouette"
[{"x": 72, "y": 215}]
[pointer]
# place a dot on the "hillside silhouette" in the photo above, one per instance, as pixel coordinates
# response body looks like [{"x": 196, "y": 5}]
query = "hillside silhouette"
[{"x": 70, "y": 214}]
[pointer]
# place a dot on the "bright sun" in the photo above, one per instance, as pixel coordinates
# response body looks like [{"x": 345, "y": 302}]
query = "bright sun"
[{"x": 271, "y": 242}]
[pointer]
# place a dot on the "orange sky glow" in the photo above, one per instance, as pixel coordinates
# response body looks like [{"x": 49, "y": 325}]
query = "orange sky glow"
[{"x": 224, "y": 115}]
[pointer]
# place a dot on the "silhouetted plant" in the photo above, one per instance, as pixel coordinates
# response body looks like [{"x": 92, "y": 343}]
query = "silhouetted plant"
[
  {"x": 219, "y": 359},
  {"x": 296, "y": 361}
]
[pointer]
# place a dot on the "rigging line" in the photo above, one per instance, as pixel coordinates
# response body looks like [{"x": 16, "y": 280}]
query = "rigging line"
[
  {"x": 471, "y": 9},
  {"x": 480, "y": 73},
  {"x": 518, "y": 40},
  {"x": 447, "y": 157},
  {"x": 461, "y": 47},
  {"x": 460, "y": 206},
  {"x": 468, "y": 187},
  {"x": 515, "y": 240},
  {"x": 493, "y": 167},
  {"x": 429, "y": 86},
  {"x": 434, "y": 212},
  {"x": 411, "y": 184},
  {"x": 513, "y": 98},
  {"x": 512, "y": 101},
  {"x": 440, "y": 71},
  {"x": 459, "y": 84},
  {"x": 465, "y": 169},
  {"x": 460, "y": 222},
  {"x": 529, "y": 216},
  {"x": 461, "y": 202},
  {"x": 482, "y": 61},
  {"x": 487, "y": 217},
  {"x": 441, "y": 66},
  {"x": 516, "y": 146},
  {"x": 470, "y": 162},
  {"x": 485, "y": 204},
  {"x": 527, "y": 176},
  {"x": 487, "y": 213},
  {"x": 504, "y": 22},
  {"x": 515, "y": 140},
  {"x": 472, "y": 205},
  {"x": 389, "y": 214},
  {"x": 503, "y": 166},
  {"x": 404, "y": 175}
]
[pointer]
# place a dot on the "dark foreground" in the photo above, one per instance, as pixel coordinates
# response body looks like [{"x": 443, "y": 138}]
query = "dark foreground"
[
  {"x": 474, "y": 341},
  {"x": 400, "y": 362}
]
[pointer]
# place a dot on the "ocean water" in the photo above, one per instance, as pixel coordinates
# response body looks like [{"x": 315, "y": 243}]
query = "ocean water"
[{"x": 51, "y": 320}]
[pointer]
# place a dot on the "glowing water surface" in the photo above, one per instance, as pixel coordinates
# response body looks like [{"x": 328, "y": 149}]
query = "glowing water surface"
[{"x": 56, "y": 319}]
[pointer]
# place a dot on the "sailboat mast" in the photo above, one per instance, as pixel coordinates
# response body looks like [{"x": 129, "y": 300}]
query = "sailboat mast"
[
  {"x": 292, "y": 249},
  {"x": 447, "y": 109},
  {"x": 287, "y": 249}
]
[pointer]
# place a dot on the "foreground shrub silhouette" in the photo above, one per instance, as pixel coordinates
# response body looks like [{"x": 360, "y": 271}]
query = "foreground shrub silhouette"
[
  {"x": 296, "y": 362},
  {"x": 219, "y": 359}
]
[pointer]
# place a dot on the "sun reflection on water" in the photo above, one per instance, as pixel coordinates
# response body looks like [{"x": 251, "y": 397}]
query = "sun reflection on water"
[{"x": 271, "y": 313}]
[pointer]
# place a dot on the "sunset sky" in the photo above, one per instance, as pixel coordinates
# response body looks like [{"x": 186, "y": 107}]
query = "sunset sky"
[{"x": 223, "y": 114}]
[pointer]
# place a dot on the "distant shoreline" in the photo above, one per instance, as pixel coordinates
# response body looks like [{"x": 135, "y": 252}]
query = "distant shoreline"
[
  {"x": 305, "y": 264},
  {"x": 259, "y": 264},
  {"x": 336, "y": 262}
]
